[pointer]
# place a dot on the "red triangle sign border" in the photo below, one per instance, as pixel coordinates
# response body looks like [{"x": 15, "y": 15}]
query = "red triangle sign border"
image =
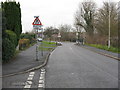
[{"x": 38, "y": 20}]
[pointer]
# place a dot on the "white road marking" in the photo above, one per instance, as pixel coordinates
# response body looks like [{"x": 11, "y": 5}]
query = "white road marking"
[
  {"x": 42, "y": 75},
  {"x": 29, "y": 80},
  {"x": 27, "y": 86},
  {"x": 32, "y": 73},
  {"x": 42, "y": 70},
  {"x": 42, "y": 79},
  {"x": 40, "y": 85}
]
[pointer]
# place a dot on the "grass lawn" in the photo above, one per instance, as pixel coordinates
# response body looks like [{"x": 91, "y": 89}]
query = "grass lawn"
[
  {"x": 46, "y": 45},
  {"x": 112, "y": 49}
]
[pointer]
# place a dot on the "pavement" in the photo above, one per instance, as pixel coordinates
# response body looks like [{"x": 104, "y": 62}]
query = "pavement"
[
  {"x": 72, "y": 66},
  {"x": 23, "y": 61}
]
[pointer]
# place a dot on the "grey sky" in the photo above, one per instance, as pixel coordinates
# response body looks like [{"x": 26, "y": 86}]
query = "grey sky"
[{"x": 50, "y": 12}]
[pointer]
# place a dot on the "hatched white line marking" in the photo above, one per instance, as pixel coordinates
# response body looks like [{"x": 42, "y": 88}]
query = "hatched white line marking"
[
  {"x": 31, "y": 75},
  {"x": 42, "y": 72},
  {"x": 42, "y": 79},
  {"x": 42, "y": 69},
  {"x": 40, "y": 85},
  {"x": 29, "y": 80},
  {"x": 32, "y": 72},
  {"x": 42, "y": 75},
  {"x": 27, "y": 86}
]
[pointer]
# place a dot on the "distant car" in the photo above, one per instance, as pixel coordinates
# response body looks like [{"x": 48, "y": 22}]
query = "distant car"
[
  {"x": 40, "y": 39},
  {"x": 59, "y": 43}
]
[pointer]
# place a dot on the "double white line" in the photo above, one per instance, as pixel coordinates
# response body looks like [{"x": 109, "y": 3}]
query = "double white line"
[
  {"x": 42, "y": 79},
  {"x": 29, "y": 80},
  {"x": 41, "y": 83}
]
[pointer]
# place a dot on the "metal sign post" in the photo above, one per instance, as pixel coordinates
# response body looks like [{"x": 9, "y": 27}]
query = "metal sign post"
[
  {"x": 36, "y": 25},
  {"x": 37, "y": 53},
  {"x": 42, "y": 43}
]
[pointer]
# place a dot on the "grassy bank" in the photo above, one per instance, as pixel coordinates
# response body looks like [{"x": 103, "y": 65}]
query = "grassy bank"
[
  {"x": 112, "y": 49},
  {"x": 46, "y": 45}
]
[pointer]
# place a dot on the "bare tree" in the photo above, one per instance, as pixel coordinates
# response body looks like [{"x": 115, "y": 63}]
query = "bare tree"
[
  {"x": 65, "y": 32},
  {"x": 102, "y": 18},
  {"x": 84, "y": 17}
]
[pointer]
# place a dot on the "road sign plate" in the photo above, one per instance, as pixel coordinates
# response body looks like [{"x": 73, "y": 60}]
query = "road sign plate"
[{"x": 37, "y": 22}]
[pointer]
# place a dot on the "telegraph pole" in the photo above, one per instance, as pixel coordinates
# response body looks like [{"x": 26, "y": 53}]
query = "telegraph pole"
[{"x": 109, "y": 28}]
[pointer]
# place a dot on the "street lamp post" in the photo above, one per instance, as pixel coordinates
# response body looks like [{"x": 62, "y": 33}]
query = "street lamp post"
[{"x": 109, "y": 27}]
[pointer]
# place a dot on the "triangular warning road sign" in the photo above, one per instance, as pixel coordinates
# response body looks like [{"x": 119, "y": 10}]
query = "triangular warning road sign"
[{"x": 37, "y": 21}]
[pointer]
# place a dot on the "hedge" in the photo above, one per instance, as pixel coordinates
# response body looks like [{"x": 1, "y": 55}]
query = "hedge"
[
  {"x": 11, "y": 36},
  {"x": 29, "y": 36},
  {"x": 8, "y": 49},
  {"x": 23, "y": 43}
]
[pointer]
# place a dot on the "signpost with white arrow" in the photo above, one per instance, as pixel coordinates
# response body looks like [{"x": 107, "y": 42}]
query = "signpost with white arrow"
[{"x": 37, "y": 25}]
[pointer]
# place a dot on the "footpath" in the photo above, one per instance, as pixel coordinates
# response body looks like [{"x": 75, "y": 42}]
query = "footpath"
[{"x": 25, "y": 60}]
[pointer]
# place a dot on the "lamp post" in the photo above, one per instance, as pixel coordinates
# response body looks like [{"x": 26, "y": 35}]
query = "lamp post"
[{"x": 109, "y": 27}]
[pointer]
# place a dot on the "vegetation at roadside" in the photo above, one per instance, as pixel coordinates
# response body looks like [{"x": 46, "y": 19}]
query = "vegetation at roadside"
[
  {"x": 112, "y": 49},
  {"x": 94, "y": 23},
  {"x": 47, "y": 46},
  {"x": 11, "y": 29},
  {"x": 26, "y": 40}
]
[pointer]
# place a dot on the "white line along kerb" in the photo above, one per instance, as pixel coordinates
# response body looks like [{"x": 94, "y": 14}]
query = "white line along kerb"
[
  {"x": 42, "y": 70},
  {"x": 42, "y": 79},
  {"x": 29, "y": 80}
]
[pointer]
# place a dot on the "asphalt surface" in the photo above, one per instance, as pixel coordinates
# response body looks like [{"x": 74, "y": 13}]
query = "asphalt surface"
[
  {"x": 24, "y": 61},
  {"x": 72, "y": 66}
]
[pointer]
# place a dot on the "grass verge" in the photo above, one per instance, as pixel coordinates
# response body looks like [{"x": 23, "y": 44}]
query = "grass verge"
[
  {"x": 47, "y": 46},
  {"x": 112, "y": 49}
]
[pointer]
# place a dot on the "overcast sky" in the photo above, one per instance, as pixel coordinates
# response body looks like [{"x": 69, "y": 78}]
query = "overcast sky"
[{"x": 50, "y": 12}]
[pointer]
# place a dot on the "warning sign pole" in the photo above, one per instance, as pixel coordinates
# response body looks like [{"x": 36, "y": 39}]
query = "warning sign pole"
[
  {"x": 36, "y": 25},
  {"x": 37, "y": 53}
]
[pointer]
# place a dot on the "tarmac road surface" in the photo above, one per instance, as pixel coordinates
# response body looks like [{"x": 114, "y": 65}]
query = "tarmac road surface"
[{"x": 72, "y": 66}]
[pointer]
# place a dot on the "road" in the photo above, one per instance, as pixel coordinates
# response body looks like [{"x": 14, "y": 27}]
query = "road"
[
  {"x": 72, "y": 66},
  {"x": 69, "y": 66}
]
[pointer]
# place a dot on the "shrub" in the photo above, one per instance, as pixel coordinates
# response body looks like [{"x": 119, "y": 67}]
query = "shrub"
[
  {"x": 23, "y": 43},
  {"x": 11, "y": 36},
  {"x": 29, "y": 36},
  {"x": 8, "y": 49}
]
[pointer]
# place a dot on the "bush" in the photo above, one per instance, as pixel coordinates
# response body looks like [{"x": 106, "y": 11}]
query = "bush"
[
  {"x": 31, "y": 37},
  {"x": 11, "y": 36},
  {"x": 8, "y": 49},
  {"x": 23, "y": 43}
]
